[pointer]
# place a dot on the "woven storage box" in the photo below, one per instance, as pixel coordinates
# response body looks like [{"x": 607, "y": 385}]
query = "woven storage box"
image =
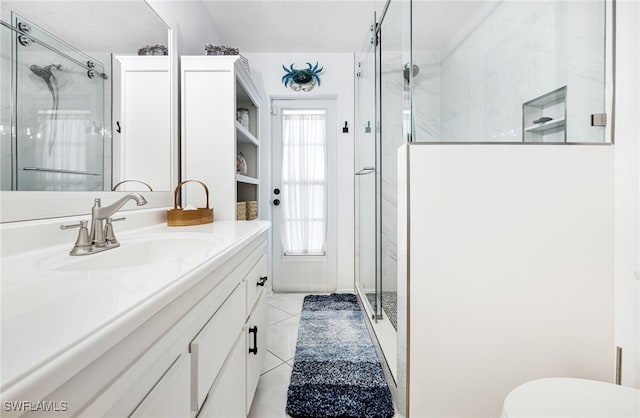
[
  {"x": 181, "y": 217},
  {"x": 252, "y": 210},
  {"x": 241, "y": 211}
]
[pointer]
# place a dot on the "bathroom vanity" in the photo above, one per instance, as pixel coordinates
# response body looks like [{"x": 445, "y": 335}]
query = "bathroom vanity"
[{"x": 172, "y": 323}]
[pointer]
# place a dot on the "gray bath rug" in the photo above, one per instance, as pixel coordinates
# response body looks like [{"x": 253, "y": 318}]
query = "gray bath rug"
[{"x": 336, "y": 372}]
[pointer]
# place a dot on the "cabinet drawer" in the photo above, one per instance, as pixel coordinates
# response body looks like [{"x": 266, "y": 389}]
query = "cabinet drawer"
[
  {"x": 256, "y": 346},
  {"x": 256, "y": 283},
  {"x": 226, "y": 398},
  {"x": 170, "y": 396},
  {"x": 211, "y": 346}
]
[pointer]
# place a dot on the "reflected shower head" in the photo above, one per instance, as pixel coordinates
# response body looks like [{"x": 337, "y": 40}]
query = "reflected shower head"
[
  {"x": 45, "y": 72},
  {"x": 414, "y": 71},
  {"x": 47, "y": 75}
]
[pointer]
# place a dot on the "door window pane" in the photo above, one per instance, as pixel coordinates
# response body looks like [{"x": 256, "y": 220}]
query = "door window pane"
[{"x": 304, "y": 190}]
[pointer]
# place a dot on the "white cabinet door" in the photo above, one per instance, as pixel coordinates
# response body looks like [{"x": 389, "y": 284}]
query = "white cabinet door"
[
  {"x": 256, "y": 283},
  {"x": 142, "y": 122},
  {"x": 210, "y": 347},
  {"x": 226, "y": 398},
  {"x": 170, "y": 396},
  {"x": 256, "y": 346}
]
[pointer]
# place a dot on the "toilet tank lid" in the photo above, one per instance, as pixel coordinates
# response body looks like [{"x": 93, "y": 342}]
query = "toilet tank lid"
[{"x": 571, "y": 397}]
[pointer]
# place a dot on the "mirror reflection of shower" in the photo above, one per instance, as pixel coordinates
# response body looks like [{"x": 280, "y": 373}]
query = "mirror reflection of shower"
[
  {"x": 58, "y": 113},
  {"x": 46, "y": 74}
]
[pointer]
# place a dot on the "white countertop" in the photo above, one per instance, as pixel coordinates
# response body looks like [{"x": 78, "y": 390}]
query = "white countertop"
[{"x": 63, "y": 319}]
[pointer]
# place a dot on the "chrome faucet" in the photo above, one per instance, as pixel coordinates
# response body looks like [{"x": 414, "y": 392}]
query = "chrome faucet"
[
  {"x": 99, "y": 214},
  {"x": 100, "y": 237}
]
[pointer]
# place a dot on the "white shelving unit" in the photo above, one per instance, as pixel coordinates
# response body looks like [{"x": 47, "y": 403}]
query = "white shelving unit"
[
  {"x": 542, "y": 127},
  {"x": 552, "y": 105},
  {"x": 213, "y": 89}
]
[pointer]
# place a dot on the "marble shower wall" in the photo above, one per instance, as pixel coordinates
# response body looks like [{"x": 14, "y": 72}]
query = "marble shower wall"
[
  {"x": 426, "y": 96},
  {"x": 473, "y": 90},
  {"x": 393, "y": 86}
]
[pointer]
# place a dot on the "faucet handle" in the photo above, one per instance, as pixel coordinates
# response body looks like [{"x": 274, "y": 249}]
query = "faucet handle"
[
  {"x": 109, "y": 236},
  {"x": 81, "y": 224},
  {"x": 83, "y": 243}
]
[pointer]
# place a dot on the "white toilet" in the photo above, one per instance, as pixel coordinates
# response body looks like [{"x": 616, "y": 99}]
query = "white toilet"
[{"x": 569, "y": 397}]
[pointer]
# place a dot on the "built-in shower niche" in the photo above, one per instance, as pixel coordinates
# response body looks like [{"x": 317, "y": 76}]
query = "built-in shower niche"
[{"x": 544, "y": 118}]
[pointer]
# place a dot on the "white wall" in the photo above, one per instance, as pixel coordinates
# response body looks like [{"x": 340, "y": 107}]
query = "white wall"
[
  {"x": 337, "y": 79},
  {"x": 510, "y": 276},
  {"x": 627, "y": 215},
  {"x": 191, "y": 22}
]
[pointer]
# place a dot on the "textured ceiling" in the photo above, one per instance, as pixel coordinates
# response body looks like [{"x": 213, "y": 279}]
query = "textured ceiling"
[
  {"x": 330, "y": 25},
  {"x": 250, "y": 25},
  {"x": 94, "y": 26}
]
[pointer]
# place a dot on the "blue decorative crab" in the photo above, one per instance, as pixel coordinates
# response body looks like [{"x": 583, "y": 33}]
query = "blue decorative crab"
[{"x": 304, "y": 79}]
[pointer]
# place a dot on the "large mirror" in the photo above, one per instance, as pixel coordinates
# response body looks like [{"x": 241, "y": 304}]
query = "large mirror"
[{"x": 84, "y": 109}]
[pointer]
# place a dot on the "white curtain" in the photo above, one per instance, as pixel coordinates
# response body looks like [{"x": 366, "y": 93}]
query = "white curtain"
[
  {"x": 64, "y": 146},
  {"x": 303, "y": 182}
]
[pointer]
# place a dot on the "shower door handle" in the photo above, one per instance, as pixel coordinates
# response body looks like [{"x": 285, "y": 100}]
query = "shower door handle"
[{"x": 365, "y": 171}]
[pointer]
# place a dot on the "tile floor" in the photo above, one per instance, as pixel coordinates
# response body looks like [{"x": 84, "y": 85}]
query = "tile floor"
[{"x": 283, "y": 316}]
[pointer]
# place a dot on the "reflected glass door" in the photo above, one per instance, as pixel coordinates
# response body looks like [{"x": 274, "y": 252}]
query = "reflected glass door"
[{"x": 59, "y": 115}]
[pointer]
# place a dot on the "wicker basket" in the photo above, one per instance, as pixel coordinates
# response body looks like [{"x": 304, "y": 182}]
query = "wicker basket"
[
  {"x": 181, "y": 217},
  {"x": 241, "y": 211},
  {"x": 252, "y": 210}
]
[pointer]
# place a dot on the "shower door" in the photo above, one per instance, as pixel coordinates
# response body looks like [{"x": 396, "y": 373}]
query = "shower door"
[
  {"x": 59, "y": 117},
  {"x": 366, "y": 178},
  {"x": 383, "y": 88}
]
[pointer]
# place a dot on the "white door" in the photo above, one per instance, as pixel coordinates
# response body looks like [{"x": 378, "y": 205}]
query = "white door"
[{"x": 304, "y": 195}]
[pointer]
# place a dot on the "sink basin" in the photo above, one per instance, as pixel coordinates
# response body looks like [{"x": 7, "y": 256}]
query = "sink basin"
[{"x": 150, "y": 249}]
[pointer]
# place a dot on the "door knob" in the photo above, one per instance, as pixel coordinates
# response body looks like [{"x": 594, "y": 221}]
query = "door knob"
[
  {"x": 276, "y": 202},
  {"x": 276, "y": 191}
]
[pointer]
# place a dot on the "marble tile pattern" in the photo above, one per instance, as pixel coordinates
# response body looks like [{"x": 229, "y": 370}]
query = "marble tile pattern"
[
  {"x": 393, "y": 91},
  {"x": 521, "y": 51},
  {"x": 283, "y": 317}
]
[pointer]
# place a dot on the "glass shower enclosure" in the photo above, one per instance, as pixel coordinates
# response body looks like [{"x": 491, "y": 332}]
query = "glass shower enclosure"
[
  {"x": 382, "y": 96},
  {"x": 54, "y": 131},
  {"x": 506, "y": 72}
]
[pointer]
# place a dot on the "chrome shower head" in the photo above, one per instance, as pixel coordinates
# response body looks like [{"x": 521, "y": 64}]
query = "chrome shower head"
[{"x": 414, "y": 71}]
